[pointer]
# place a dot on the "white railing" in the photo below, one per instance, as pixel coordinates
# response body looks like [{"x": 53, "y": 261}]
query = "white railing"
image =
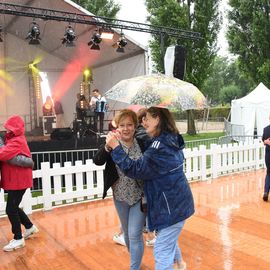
[{"x": 81, "y": 182}]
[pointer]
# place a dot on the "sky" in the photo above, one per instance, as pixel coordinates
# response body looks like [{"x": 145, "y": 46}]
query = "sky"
[{"x": 135, "y": 11}]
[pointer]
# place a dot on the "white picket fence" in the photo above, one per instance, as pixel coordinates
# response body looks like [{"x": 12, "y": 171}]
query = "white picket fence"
[{"x": 81, "y": 182}]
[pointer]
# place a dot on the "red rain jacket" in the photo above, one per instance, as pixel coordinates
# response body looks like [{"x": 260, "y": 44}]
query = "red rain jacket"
[{"x": 14, "y": 177}]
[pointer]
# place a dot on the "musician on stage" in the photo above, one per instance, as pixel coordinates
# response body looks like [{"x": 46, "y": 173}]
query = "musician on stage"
[
  {"x": 99, "y": 104},
  {"x": 58, "y": 111}
]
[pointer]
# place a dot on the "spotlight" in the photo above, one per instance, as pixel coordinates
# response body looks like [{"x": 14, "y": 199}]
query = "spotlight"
[
  {"x": 33, "y": 34},
  {"x": 87, "y": 75},
  {"x": 32, "y": 66},
  {"x": 121, "y": 43},
  {"x": 69, "y": 37},
  {"x": 87, "y": 72},
  {"x": 95, "y": 41},
  {"x": 106, "y": 33}
]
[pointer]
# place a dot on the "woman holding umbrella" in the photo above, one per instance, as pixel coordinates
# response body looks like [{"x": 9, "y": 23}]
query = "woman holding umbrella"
[{"x": 169, "y": 198}]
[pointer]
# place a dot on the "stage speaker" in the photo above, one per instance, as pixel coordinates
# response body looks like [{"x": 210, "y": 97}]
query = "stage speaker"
[
  {"x": 179, "y": 62},
  {"x": 61, "y": 134},
  {"x": 175, "y": 61}
]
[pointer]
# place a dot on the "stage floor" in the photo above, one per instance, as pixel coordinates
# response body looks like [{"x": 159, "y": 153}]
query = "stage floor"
[{"x": 45, "y": 143}]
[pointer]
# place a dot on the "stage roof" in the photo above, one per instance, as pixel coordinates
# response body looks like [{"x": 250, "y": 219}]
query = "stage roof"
[{"x": 53, "y": 31}]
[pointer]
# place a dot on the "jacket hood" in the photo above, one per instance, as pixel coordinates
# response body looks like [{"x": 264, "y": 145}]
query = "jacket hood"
[
  {"x": 15, "y": 124},
  {"x": 172, "y": 140}
]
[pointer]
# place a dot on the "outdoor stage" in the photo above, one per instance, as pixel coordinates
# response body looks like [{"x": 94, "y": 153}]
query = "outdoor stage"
[{"x": 71, "y": 142}]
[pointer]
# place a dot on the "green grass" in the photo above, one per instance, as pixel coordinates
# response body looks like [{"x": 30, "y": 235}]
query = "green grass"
[{"x": 203, "y": 136}]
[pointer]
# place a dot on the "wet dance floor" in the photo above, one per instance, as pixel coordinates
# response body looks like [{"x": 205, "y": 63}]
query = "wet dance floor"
[{"x": 230, "y": 230}]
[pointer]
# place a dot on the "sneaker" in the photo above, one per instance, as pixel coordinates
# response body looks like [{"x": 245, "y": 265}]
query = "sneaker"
[
  {"x": 119, "y": 239},
  {"x": 265, "y": 197},
  {"x": 183, "y": 266},
  {"x": 29, "y": 232},
  {"x": 151, "y": 242},
  {"x": 14, "y": 244}
]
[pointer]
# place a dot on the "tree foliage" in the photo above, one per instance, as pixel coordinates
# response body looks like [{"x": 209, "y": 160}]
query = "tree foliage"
[
  {"x": 192, "y": 15},
  {"x": 102, "y": 8},
  {"x": 215, "y": 80},
  {"x": 248, "y": 36},
  {"x": 226, "y": 73},
  {"x": 228, "y": 93}
]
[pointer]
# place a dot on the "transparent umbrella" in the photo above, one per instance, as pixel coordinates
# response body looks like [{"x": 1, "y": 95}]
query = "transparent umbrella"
[{"x": 158, "y": 90}]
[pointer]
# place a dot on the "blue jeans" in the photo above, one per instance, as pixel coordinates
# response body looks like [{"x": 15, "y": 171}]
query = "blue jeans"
[
  {"x": 267, "y": 183},
  {"x": 166, "y": 249},
  {"x": 132, "y": 221}
]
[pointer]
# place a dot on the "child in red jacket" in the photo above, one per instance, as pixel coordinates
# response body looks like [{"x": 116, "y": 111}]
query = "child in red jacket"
[{"x": 15, "y": 180}]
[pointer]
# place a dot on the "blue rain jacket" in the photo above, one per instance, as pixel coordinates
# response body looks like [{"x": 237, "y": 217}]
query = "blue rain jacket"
[{"x": 169, "y": 198}]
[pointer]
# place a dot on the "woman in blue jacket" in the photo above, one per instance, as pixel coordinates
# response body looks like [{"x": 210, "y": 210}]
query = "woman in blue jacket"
[{"x": 169, "y": 198}]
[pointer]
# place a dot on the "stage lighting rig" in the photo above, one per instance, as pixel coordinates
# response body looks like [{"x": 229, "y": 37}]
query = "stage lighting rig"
[
  {"x": 69, "y": 37},
  {"x": 95, "y": 41},
  {"x": 33, "y": 34},
  {"x": 120, "y": 44}
]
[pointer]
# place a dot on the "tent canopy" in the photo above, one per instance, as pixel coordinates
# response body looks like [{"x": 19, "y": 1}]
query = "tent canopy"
[{"x": 251, "y": 111}]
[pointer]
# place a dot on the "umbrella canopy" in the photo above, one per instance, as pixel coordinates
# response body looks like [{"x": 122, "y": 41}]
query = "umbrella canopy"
[
  {"x": 158, "y": 90},
  {"x": 135, "y": 107}
]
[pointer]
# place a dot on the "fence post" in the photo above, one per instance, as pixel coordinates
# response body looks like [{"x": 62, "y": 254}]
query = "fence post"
[
  {"x": 257, "y": 154},
  {"x": 27, "y": 202},
  {"x": 79, "y": 180},
  {"x": 46, "y": 185},
  {"x": 57, "y": 183},
  {"x": 202, "y": 151},
  {"x": 187, "y": 161},
  {"x": 2, "y": 202},
  {"x": 68, "y": 180},
  {"x": 89, "y": 178},
  {"x": 214, "y": 163}
]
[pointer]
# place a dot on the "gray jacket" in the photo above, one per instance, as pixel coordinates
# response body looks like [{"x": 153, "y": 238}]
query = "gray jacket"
[{"x": 19, "y": 160}]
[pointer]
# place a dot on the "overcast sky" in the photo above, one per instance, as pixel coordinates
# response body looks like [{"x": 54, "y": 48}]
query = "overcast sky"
[{"x": 135, "y": 10}]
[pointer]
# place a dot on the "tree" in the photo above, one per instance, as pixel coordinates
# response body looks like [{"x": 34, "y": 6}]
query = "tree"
[
  {"x": 248, "y": 36},
  {"x": 215, "y": 79},
  {"x": 102, "y": 8},
  {"x": 193, "y": 15},
  {"x": 228, "y": 93},
  {"x": 233, "y": 75},
  {"x": 226, "y": 73}
]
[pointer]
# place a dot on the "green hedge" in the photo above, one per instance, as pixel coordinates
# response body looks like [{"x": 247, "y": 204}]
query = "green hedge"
[{"x": 198, "y": 114}]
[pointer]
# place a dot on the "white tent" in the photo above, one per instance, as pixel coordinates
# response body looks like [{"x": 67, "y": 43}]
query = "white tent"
[
  {"x": 63, "y": 65},
  {"x": 251, "y": 111}
]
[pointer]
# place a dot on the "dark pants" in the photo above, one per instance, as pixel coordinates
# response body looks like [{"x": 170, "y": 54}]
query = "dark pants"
[
  {"x": 15, "y": 214},
  {"x": 267, "y": 183},
  {"x": 267, "y": 177},
  {"x": 99, "y": 116}
]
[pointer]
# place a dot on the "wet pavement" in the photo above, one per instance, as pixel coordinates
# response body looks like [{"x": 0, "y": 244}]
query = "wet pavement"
[{"x": 230, "y": 230}]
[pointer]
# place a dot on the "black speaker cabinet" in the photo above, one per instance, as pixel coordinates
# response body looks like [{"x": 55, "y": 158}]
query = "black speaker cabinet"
[
  {"x": 179, "y": 62},
  {"x": 61, "y": 134},
  {"x": 48, "y": 124}
]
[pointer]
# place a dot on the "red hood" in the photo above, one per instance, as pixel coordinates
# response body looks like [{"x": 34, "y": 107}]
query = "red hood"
[{"x": 15, "y": 124}]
